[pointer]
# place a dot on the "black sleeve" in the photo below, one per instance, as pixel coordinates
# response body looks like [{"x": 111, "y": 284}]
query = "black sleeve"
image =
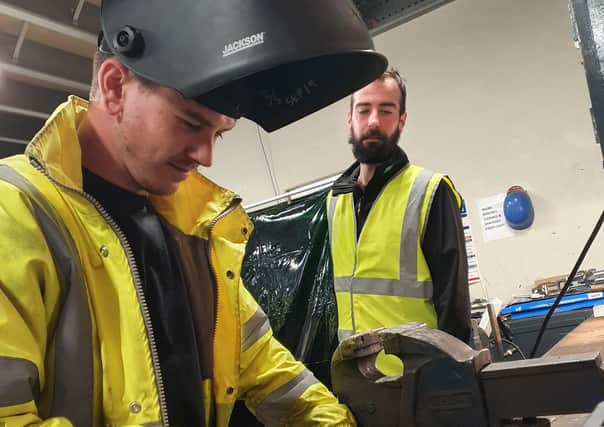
[{"x": 445, "y": 252}]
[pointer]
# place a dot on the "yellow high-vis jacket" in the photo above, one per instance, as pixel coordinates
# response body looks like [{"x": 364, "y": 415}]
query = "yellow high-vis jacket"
[
  {"x": 382, "y": 278},
  {"x": 76, "y": 343}
]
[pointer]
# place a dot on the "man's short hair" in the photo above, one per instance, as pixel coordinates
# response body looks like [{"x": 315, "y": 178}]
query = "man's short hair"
[
  {"x": 392, "y": 73},
  {"x": 97, "y": 60}
]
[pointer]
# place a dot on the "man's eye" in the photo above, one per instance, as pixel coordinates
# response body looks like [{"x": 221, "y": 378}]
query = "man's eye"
[
  {"x": 363, "y": 111},
  {"x": 192, "y": 126}
]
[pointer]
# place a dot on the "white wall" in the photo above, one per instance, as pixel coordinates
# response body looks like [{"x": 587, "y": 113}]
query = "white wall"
[{"x": 497, "y": 96}]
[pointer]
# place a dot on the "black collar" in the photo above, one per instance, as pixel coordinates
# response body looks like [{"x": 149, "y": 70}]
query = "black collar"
[
  {"x": 347, "y": 182},
  {"x": 114, "y": 199}
]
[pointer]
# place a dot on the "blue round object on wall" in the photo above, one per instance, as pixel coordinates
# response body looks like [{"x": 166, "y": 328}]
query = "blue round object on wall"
[{"x": 518, "y": 209}]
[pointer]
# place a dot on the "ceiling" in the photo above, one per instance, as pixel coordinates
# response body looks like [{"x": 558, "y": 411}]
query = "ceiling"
[
  {"x": 46, "y": 50},
  {"x": 45, "y": 53}
]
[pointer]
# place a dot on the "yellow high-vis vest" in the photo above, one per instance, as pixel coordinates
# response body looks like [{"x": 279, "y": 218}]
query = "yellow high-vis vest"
[{"x": 382, "y": 279}]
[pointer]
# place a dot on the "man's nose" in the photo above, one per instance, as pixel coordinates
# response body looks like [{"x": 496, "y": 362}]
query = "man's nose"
[
  {"x": 374, "y": 120},
  {"x": 202, "y": 152}
]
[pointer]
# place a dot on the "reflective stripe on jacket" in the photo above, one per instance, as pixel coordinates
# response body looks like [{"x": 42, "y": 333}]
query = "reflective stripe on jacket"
[
  {"x": 383, "y": 278},
  {"x": 76, "y": 347}
]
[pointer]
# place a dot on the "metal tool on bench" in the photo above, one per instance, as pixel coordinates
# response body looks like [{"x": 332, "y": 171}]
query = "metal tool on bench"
[{"x": 447, "y": 383}]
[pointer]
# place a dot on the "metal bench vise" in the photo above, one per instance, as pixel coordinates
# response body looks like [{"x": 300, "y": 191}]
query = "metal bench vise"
[{"x": 447, "y": 383}]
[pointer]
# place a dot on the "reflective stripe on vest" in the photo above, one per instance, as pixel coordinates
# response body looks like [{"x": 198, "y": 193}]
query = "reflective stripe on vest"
[
  {"x": 72, "y": 395},
  {"x": 254, "y": 329},
  {"x": 385, "y": 301},
  {"x": 278, "y": 404}
]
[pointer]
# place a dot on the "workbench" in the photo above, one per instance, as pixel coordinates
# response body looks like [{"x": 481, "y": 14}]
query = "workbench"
[{"x": 587, "y": 337}]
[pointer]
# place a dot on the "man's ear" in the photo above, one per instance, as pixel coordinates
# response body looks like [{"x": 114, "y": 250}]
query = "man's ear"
[
  {"x": 401, "y": 121},
  {"x": 112, "y": 78},
  {"x": 349, "y": 119}
]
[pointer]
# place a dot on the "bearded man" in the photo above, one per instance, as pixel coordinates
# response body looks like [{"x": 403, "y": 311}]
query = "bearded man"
[{"x": 397, "y": 240}]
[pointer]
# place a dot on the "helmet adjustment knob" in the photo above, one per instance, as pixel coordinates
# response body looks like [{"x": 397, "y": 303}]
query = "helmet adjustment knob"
[{"x": 129, "y": 42}]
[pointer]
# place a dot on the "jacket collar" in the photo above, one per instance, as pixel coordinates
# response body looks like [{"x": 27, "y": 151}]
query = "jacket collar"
[{"x": 56, "y": 147}]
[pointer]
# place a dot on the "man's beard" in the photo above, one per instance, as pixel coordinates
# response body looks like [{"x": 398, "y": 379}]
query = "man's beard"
[{"x": 374, "y": 152}]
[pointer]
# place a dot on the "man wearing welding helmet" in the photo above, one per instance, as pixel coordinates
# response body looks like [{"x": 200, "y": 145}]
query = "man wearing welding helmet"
[{"x": 121, "y": 301}]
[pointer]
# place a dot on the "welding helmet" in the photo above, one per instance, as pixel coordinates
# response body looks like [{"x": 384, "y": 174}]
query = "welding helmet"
[
  {"x": 271, "y": 61},
  {"x": 518, "y": 209}
]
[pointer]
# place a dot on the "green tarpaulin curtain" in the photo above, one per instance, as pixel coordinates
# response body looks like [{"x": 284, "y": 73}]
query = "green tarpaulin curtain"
[{"x": 287, "y": 268}]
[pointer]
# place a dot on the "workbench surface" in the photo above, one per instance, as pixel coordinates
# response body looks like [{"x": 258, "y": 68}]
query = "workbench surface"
[{"x": 585, "y": 338}]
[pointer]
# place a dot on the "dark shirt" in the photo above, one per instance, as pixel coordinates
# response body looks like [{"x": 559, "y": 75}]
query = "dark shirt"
[
  {"x": 165, "y": 294},
  {"x": 443, "y": 243}
]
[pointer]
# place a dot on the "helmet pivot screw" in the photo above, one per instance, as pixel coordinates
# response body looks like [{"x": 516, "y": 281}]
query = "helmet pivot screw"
[{"x": 129, "y": 42}]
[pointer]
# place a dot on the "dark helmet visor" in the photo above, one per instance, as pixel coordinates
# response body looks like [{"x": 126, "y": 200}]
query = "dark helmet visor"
[{"x": 271, "y": 61}]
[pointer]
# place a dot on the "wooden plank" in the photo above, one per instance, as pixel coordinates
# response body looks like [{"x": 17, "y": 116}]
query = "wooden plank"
[
  {"x": 60, "y": 41},
  {"x": 587, "y": 337},
  {"x": 572, "y": 420}
]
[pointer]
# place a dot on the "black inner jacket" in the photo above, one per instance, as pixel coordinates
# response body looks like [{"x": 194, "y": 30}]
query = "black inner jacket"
[
  {"x": 165, "y": 294},
  {"x": 443, "y": 244}
]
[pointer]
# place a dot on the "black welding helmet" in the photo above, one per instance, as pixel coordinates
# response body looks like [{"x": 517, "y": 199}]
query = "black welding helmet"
[{"x": 272, "y": 61}]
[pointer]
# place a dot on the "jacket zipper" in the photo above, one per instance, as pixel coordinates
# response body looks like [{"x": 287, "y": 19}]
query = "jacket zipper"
[
  {"x": 137, "y": 284},
  {"x": 234, "y": 203}
]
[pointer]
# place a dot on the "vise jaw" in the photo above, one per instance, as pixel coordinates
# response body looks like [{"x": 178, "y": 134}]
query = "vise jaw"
[{"x": 440, "y": 385}]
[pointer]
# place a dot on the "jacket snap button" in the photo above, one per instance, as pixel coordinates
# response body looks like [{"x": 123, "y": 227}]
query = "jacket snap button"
[
  {"x": 230, "y": 390},
  {"x": 104, "y": 251},
  {"x": 230, "y": 274},
  {"x": 134, "y": 407},
  {"x": 244, "y": 231}
]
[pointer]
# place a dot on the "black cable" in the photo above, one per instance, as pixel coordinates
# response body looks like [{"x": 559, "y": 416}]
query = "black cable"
[
  {"x": 508, "y": 342},
  {"x": 570, "y": 278}
]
